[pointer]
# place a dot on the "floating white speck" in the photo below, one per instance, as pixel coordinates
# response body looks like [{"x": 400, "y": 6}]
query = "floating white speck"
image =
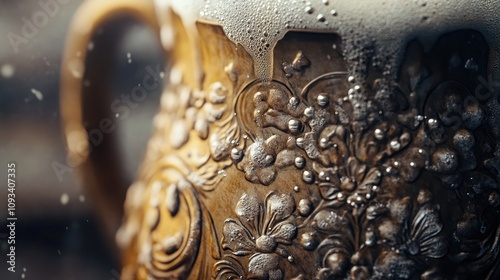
[
  {"x": 117, "y": 115},
  {"x": 90, "y": 46},
  {"x": 37, "y": 93},
  {"x": 22, "y": 276},
  {"x": 7, "y": 71},
  {"x": 64, "y": 199},
  {"x": 129, "y": 56},
  {"x": 81, "y": 198}
]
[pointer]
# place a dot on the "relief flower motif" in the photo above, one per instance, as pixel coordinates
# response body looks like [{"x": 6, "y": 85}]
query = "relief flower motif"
[
  {"x": 354, "y": 183},
  {"x": 264, "y": 158},
  {"x": 420, "y": 236},
  {"x": 423, "y": 238},
  {"x": 262, "y": 233}
]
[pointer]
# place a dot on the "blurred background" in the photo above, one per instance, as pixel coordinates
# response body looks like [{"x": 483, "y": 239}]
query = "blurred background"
[{"x": 58, "y": 235}]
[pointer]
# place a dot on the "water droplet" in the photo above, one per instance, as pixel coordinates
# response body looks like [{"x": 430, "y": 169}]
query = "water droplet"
[
  {"x": 379, "y": 134},
  {"x": 309, "y": 9},
  {"x": 308, "y": 177},
  {"x": 294, "y": 102},
  {"x": 37, "y": 94},
  {"x": 7, "y": 71},
  {"x": 294, "y": 126},
  {"x": 300, "y": 162},
  {"x": 432, "y": 123},
  {"x": 236, "y": 154},
  {"x": 340, "y": 196},
  {"x": 296, "y": 188},
  {"x": 351, "y": 79},
  {"x": 300, "y": 142},
  {"x": 395, "y": 145},
  {"x": 309, "y": 112},
  {"x": 322, "y": 100},
  {"x": 321, "y": 18},
  {"x": 290, "y": 258},
  {"x": 64, "y": 199}
]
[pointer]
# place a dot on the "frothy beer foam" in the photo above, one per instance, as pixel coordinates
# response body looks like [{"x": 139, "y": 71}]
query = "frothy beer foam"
[{"x": 258, "y": 25}]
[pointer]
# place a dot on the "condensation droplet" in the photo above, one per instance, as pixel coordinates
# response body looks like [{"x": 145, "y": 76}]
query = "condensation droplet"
[
  {"x": 236, "y": 154},
  {"x": 300, "y": 142},
  {"x": 296, "y": 189},
  {"x": 309, "y": 112},
  {"x": 307, "y": 176},
  {"x": 64, "y": 199},
  {"x": 37, "y": 94},
  {"x": 300, "y": 162},
  {"x": 379, "y": 134},
  {"x": 305, "y": 207},
  {"x": 294, "y": 126},
  {"x": 395, "y": 145},
  {"x": 322, "y": 100}
]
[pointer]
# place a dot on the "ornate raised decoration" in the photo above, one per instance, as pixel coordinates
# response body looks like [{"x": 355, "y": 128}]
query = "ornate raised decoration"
[{"x": 346, "y": 177}]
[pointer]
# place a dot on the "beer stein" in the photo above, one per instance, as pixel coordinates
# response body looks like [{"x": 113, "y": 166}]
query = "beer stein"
[{"x": 312, "y": 139}]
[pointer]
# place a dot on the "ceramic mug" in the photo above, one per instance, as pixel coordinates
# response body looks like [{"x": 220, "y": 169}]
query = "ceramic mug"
[{"x": 305, "y": 140}]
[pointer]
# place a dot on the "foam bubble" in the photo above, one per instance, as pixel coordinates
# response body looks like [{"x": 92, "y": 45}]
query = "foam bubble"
[{"x": 258, "y": 25}]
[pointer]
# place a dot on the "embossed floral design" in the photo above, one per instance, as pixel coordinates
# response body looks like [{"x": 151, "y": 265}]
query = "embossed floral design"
[
  {"x": 354, "y": 183},
  {"x": 420, "y": 236},
  {"x": 262, "y": 233},
  {"x": 264, "y": 158},
  {"x": 420, "y": 243}
]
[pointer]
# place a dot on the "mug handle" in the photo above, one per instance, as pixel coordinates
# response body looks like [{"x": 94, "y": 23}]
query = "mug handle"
[{"x": 103, "y": 181}]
